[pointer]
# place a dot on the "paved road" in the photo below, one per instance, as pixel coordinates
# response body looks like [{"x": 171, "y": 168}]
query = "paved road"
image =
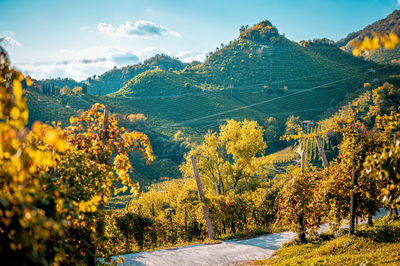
[{"x": 226, "y": 253}]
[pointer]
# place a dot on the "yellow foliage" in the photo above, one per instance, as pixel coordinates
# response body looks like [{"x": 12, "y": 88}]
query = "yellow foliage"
[{"x": 388, "y": 41}]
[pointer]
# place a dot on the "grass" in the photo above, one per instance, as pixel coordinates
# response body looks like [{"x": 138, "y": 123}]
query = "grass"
[{"x": 375, "y": 245}]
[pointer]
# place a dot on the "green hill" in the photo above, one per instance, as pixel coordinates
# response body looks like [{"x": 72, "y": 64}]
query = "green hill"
[
  {"x": 261, "y": 68},
  {"x": 157, "y": 83},
  {"x": 114, "y": 79},
  {"x": 261, "y": 75}
]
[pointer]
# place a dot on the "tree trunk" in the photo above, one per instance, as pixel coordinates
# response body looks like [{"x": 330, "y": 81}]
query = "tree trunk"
[
  {"x": 302, "y": 234},
  {"x": 352, "y": 203},
  {"x": 91, "y": 255},
  {"x": 206, "y": 212},
  {"x": 370, "y": 219}
]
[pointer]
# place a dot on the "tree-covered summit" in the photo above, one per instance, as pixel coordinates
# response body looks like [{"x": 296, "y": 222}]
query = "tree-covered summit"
[{"x": 263, "y": 32}]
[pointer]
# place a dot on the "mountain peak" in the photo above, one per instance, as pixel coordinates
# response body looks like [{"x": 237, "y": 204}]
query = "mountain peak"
[{"x": 260, "y": 33}]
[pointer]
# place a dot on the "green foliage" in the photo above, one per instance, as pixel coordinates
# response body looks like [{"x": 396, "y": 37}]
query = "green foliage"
[{"x": 157, "y": 83}]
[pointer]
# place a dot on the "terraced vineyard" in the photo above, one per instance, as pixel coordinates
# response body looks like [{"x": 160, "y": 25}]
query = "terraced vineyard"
[{"x": 248, "y": 78}]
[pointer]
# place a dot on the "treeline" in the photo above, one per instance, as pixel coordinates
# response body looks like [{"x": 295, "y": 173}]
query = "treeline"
[{"x": 51, "y": 89}]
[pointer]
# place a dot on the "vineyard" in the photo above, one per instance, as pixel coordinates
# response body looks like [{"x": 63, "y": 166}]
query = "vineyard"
[{"x": 266, "y": 135}]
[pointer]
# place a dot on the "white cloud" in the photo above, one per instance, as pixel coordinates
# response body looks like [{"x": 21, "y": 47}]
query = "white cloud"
[
  {"x": 82, "y": 63},
  {"x": 187, "y": 56},
  {"x": 9, "y": 42},
  {"x": 140, "y": 28},
  {"x": 398, "y": 2}
]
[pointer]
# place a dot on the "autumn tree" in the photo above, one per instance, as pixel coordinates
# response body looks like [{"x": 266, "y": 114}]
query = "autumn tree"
[
  {"x": 293, "y": 125},
  {"x": 55, "y": 182},
  {"x": 384, "y": 163},
  {"x": 230, "y": 157},
  {"x": 297, "y": 201},
  {"x": 77, "y": 90},
  {"x": 66, "y": 90},
  {"x": 30, "y": 225}
]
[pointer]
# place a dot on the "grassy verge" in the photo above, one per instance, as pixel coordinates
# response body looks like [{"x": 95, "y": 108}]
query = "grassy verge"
[{"x": 375, "y": 245}]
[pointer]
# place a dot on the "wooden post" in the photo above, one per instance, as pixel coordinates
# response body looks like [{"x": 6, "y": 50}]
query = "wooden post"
[
  {"x": 321, "y": 152},
  {"x": 352, "y": 202},
  {"x": 302, "y": 234},
  {"x": 302, "y": 155},
  {"x": 105, "y": 124},
  {"x": 206, "y": 212}
]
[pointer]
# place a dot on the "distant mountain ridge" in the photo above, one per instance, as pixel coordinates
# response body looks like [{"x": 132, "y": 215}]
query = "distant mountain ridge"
[{"x": 387, "y": 25}]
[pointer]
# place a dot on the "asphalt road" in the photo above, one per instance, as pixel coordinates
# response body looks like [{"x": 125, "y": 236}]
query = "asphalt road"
[{"x": 225, "y": 253}]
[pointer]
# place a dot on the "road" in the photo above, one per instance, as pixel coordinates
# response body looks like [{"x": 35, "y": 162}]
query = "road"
[{"x": 225, "y": 253}]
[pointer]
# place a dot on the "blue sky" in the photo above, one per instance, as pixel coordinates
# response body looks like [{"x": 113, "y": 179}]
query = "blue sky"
[{"x": 80, "y": 38}]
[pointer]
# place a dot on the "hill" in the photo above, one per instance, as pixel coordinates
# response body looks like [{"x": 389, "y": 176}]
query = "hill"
[
  {"x": 158, "y": 82},
  {"x": 168, "y": 150},
  {"x": 114, "y": 79},
  {"x": 261, "y": 72},
  {"x": 261, "y": 76},
  {"x": 389, "y": 24}
]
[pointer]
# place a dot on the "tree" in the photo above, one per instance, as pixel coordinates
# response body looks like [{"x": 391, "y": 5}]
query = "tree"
[
  {"x": 55, "y": 182},
  {"x": 29, "y": 224},
  {"x": 84, "y": 88},
  {"x": 384, "y": 163},
  {"x": 77, "y": 90},
  {"x": 385, "y": 99},
  {"x": 230, "y": 157},
  {"x": 56, "y": 90},
  {"x": 65, "y": 90},
  {"x": 297, "y": 203},
  {"x": 293, "y": 125}
]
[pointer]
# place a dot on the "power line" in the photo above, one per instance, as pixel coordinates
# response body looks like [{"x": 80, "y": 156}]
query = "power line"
[{"x": 262, "y": 102}]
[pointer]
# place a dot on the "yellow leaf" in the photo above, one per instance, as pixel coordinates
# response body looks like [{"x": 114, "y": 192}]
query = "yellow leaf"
[
  {"x": 15, "y": 113},
  {"x": 17, "y": 89},
  {"x": 356, "y": 52},
  {"x": 28, "y": 81},
  {"x": 393, "y": 37}
]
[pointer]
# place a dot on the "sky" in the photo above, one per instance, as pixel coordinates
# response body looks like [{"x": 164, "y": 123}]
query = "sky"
[{"x": 77, "y": 39}]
